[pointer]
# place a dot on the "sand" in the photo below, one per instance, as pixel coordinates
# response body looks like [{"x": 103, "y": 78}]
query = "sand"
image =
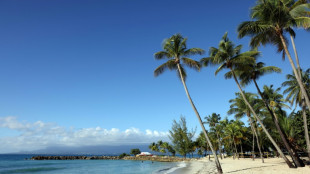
[{"x": 246, "y": 166}]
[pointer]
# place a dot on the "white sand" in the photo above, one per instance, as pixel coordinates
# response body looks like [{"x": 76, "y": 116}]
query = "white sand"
[{"x": 244, "y": 166}]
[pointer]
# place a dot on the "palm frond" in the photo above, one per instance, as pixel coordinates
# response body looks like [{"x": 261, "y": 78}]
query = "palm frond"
[
  {"x": 171, "y": 65},
  {"x": 162, "y": 54},
  {"x": 206, "y": 61},
  {"x": 228, "y": 75},
  {"x": 220, "y": 68},
  {"x": 191, "y": 63},
  {"x": 194, "y": 51}
]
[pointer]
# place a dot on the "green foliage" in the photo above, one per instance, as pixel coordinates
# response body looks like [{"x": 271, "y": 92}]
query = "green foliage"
[
  {"x": 293, "y": 91},
  {"x": 123, "y": 155},
  {"x": 177, "y": 53},
  {"x": 297, "y": 126},
  {"x": 154, "y": 147},
  {"x": 135, "y": 151},
  {"x": 229, "y": 56},
  {"x": 272, "y": 18},
  {"x": 181, "y": 137},
  {"x": 162, "y": 147}
]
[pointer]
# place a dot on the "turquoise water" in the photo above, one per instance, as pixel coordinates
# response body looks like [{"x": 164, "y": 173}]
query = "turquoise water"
[{"x": 10, "y": 164}]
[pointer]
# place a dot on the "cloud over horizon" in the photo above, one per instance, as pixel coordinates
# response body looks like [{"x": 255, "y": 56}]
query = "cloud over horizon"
[{"x": 39, "y": 135}]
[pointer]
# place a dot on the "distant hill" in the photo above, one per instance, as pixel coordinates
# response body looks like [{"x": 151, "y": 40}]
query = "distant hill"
[{"x": 93, "y": 150}]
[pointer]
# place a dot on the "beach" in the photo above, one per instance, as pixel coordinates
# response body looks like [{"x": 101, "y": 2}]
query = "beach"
[{"x": 246, "y": 166}]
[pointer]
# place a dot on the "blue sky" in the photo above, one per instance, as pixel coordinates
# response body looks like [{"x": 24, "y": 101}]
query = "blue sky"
[{"x": 80, "y": 65}]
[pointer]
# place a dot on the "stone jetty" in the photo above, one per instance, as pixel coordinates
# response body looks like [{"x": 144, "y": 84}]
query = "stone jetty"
[
  {"x": 141, "y": 158},
  {"x": 157, "y": 158},
  {"x": 75, "y": 158}
]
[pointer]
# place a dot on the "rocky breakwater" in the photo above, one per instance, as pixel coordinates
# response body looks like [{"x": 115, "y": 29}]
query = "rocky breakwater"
[
  {"x": 156, "y": 158},
  {"x": 75, "y": 158}
]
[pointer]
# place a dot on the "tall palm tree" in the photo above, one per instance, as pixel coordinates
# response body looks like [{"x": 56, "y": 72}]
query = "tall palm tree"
[
  {"x": 234, "y": 132},
  {"x": 251, "y": 73},
  {"x": 240, "y": 109},
  {"x": 299, "y": 12},
  {"x": 294, "y": 96},
  {"x": 213, "y": 121},
  {"x": 277, "y": 103},
  {"x": 176, "y": 52},
  {"x": 272, "y": 21},
  {"x": 154, "y": 147},
  {"x": 229, "y": 56}
]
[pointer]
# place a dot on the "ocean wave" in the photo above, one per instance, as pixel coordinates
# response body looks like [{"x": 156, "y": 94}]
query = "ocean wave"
[{"x": 172, "y": 169}]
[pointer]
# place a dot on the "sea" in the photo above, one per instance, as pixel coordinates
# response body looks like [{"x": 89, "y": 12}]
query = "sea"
[{"x": 18, "y": 164}]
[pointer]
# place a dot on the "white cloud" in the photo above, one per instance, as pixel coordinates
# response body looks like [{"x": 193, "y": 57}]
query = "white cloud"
[{"x": 39, "y": 135}]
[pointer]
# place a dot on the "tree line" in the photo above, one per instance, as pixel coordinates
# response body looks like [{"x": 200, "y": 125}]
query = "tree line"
[{"x": 272, "y": 22}]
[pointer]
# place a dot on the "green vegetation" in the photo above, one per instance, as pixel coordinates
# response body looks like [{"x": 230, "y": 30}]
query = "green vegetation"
[
  {"x": 176, "y": 51},
  {"x": 135, "y": 151},
  {"x": 272, "y": 22},
  {"x": 181, "y": 137},
  {"x": 121, "y": 156},
  {"x": 162, "y": 147},
  {"x": 270, "y": 127}
]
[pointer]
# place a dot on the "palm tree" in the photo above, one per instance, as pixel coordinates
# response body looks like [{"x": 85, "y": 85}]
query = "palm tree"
[
  {"x": 229, "y": 56},
  {"x": 276, "y": 103},
  {"x": 154, "y": 147},
  {"x": 175, "y": 51},
  {"x": 213, "y": 121},
  {"x": 299, "y": 11},
  {"x": 272, "y": 21},
  {"x": 165, "y": 146},
  {"x": 294, "y": 95},
  {"x": 251, "y": 73},
  {"x": 275, "y": 99},
  {"x": 240, "y": 109},
  {"x": 233, "y": 131}
]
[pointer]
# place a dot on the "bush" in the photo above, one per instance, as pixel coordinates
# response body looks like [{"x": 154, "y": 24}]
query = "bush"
[
  {"x": 123, "y": 155},
  {"x": 135, "y": 152}
]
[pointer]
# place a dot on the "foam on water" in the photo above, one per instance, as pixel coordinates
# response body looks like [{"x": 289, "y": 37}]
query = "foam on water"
[{"x": 172, "y": 169}]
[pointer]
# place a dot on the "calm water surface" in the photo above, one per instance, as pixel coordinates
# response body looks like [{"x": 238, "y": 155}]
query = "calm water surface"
[{"x": 19, "y": 164}]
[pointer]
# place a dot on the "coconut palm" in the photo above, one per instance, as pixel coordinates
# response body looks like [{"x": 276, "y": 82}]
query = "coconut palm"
[
  {"x": 213, "y": 121},
  {"x": 251, "y": 73},
  {"x": 276, "y": 103},
  {"x": 234, "y": 131},
  {"x": 294, "y": 96},
  {"x": 154, "y": 147},
  {"x": 299, "y": 11},
  {"x": 229, "y": 56},
  {"x": 272, "y": 20},
  {"x": 274, "y": 99},
  {"x": 177, "y": 53},
  {"x": 240, "y": 109}
]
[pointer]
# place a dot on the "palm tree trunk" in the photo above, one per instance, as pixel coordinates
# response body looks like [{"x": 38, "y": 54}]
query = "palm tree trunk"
[
  {"x": 241, "y": 150},
  {"x": 253, "y": 142},
  {"x": 302, "y": 88},
  {"x": 236, "y": 151},
  {"x": 298, "y": 162},
  {"x": 220, "y": 146},
  {"x": 261, "y": 123},
  {"x": 304, "y": 116},
  {"x": 218, "y": 165},
  {"x": 303, "y": 100},
  {"x": 257, "y": 141}
]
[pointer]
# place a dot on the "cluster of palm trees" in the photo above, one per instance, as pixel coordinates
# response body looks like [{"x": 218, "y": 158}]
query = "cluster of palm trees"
[
  {"x": 162, "y": 147},
  {"x": 271, "y": 22}
]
